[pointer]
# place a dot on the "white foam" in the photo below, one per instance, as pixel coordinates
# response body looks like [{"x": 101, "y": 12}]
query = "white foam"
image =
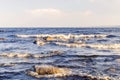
[
  {"x": 63, "y": 36},
  {"x": 96, "y": 46},
  {"x": 104, "y": 46},
  {"x": 71, "y": 44}
]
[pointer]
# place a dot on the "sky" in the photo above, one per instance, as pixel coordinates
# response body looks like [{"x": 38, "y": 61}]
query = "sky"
[{"x": 59, "y": 13}]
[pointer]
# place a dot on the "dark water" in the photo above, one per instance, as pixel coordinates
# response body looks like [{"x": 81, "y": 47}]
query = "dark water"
[{"x": 81, "y": 60}]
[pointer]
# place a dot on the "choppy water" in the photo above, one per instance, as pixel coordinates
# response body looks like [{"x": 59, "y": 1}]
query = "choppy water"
[{"x": 82, "y": 60}]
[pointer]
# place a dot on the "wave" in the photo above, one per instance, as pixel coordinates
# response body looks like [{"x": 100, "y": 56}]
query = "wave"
[
  {"x": 8, "y": 75},
  {"x": 71, "y": 44},
  {"x": 71, "y": 40},
  {"x": 63, "y": 36},
  {"x": 96, "y": 46},
  {"x": 6, "y": 65},
  {"x": 27, "y": 55},
  {"x": 104, "y": 46}
]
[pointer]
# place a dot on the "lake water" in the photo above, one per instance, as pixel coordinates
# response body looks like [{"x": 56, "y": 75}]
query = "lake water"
[{"x": 81, "y": 60}]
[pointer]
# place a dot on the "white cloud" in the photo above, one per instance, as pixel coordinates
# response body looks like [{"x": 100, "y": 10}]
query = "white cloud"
[
  {"x": 87, "y": 13},
  {"x": 46, "y": 12}
]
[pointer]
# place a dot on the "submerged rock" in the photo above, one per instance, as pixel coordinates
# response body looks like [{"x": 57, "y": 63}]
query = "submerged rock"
[{"x": 48, "y": 71}]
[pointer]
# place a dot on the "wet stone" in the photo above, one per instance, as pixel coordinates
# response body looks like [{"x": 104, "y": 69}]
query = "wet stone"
[{"x": 48, "y": 71}]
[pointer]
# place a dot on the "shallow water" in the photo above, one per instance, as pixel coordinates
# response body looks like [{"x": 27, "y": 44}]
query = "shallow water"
[{"x": 82, "y": 60}]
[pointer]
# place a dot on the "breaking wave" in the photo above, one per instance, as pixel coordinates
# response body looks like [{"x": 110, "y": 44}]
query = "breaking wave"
[
  {"x": 63, "y": 36},
  {"x": 97, "y": 46}
]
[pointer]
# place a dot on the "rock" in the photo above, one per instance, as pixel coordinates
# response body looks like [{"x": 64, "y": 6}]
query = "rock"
[
  {"x": 48, "y": 71},
  {"x": 45, "y": 69}
]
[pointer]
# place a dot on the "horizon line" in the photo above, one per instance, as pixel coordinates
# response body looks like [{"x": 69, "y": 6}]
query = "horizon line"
[{"x": 106, "y": 26}]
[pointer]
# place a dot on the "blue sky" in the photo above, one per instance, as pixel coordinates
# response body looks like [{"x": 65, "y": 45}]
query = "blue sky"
[{"x": 64, "y": 13}]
